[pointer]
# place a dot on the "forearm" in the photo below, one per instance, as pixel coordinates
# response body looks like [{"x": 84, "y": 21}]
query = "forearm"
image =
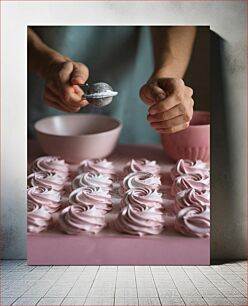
[
  {"x": 40, "y": 56},
  {"x": 172, "y": 46}
]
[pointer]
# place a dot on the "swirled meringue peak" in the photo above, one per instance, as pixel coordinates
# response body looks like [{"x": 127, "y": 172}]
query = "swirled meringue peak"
[
  {"x": 81, "y": 219},
  {"x": 141, "y": 179},
  {"x": 93, "y": 179},
  {"x": 95, "y": 196},
  {"x": 192, "y": 197},
  {"x": 48, "y": 179},
  {"x": 139, "y": 220},
  {"x": 38, "y": 218},
  {"x": 143, "y": 164},
  {"x": 184, "y": 166},
  {"x": 101, "y": 166},
  {"x": 194, "y": 222},
  {"x": 197, "y": 181},
  {"x": 144, "y": 197},
  {"x": 51, "y": 163},
  {"x": 46, "y": 196}
]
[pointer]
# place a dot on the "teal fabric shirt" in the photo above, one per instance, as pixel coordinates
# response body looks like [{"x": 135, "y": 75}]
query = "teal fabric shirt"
[{"x": 118, "y": 55}]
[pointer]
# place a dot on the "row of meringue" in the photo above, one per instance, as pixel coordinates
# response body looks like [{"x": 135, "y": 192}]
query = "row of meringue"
[
  {"x": 90, "y": 198},
  {"x": 191, "y": 189},
  {"x": 46, "y": 184},
  {"x": 187, "y": 174},
  {"x": 135, "y": 220},
  {"x": 141, "y": 204},
  {"x": 42, "y": 203},
  {"x": 103, "y": 166}
]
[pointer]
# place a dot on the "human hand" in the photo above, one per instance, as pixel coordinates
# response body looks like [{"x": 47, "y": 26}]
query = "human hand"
[
  {"x": 61, "y": 85},
  {"x": 171, "y": 104}
]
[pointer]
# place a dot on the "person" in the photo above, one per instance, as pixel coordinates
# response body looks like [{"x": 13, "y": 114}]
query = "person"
[{"x": 151, "y": 60}]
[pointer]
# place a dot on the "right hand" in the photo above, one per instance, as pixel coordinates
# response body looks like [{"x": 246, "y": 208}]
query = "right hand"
[{"x": 61, "y": 85}]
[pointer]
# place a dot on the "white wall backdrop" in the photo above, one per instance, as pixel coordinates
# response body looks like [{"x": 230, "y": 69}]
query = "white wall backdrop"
[{"x": 226, "y": 18}]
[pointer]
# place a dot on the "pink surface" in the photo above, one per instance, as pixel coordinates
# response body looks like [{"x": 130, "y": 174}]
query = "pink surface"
[
  {"x": 110, "y": 247},
  {"x": 192, "y": 143}
]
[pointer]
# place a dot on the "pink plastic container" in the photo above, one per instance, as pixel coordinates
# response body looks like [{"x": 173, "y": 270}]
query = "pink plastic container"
[
  {"x": 192, "y": 143},
  {"x": 78, "y": 136}
]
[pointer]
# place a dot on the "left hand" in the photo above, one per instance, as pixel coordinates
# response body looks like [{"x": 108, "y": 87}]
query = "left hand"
[{"x": 171, "y": 104}]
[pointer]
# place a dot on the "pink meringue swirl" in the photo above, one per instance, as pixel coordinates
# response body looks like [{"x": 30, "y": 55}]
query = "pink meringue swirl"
[
  {"x": 101, "y": 166},
  {"x": 184, "y": 166},
  {"x": 143, "y": 164},
  {"x": 51, "y": 163},
  {"x": 92, "y": 179},
  {"x": 50, "y": 179},
  {"x": 141, "y": 179},
  {"x": 80, "y": 219},
  {"x": 192, "y": 197},
  {"x": 38, "y": 218},
  {"x": 194, "y": 222},
  {"x": 139, "y": 220},
  {"x": 196, "y": 181},
  {"x": 144, "y": 197},
  {"x": 46, "y": 196},
  {"x": 97, "y": 197}
]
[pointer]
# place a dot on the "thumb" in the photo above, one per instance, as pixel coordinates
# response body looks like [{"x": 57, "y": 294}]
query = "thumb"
[
  {"x": 145, "y": 95},
  {"x": 79, "y": 74},
  {"x": 152, "y": 93}
]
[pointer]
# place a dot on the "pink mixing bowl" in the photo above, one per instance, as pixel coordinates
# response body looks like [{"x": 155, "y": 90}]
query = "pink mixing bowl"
[
  {"x": 78, "y": 136},
  {"x": 192, "y": 143}
]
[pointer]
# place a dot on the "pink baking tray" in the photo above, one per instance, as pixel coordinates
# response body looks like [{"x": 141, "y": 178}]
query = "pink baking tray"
[{"x": 113, "y": 248}]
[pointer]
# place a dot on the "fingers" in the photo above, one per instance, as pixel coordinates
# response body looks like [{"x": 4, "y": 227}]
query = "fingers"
[
  {"x": 52, "y": 99},
  {"x": 166, "y": 115},
  {"x": 79, "y": 74},
  {"x": 171, "y": 122},
  {"x": 73, "y": 97},
  {"x": 180, "y": 109},
  {"x": 163, "y": 106},
  {"x": 173, "y": 129}
]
